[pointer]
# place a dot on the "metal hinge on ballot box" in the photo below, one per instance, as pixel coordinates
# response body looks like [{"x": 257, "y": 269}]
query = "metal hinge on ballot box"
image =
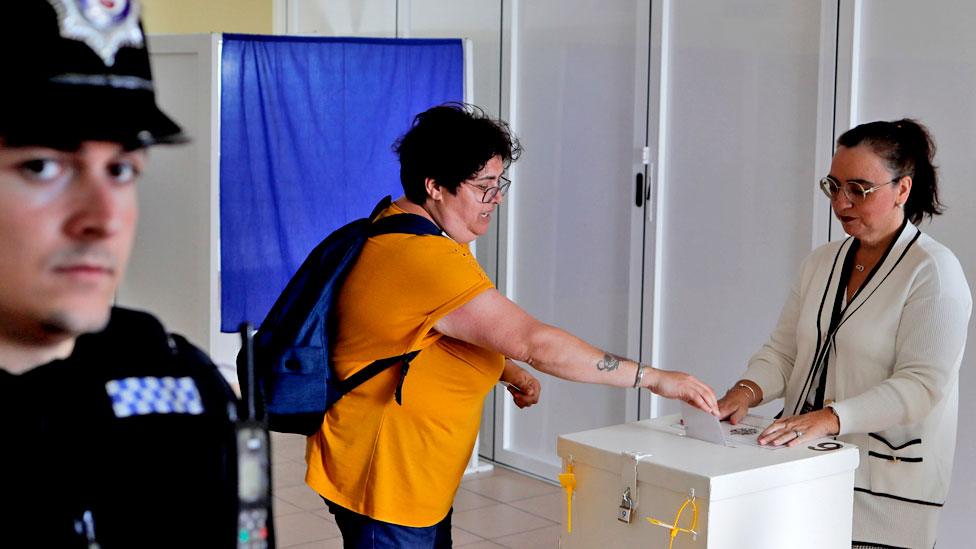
[{"x": 629, "y": 494}]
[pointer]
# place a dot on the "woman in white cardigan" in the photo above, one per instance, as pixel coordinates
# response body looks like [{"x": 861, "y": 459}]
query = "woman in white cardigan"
[{"x": 869, "y": 343}]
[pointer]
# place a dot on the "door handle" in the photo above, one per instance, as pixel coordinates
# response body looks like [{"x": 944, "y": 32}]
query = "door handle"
[{"x": 639, "y": 190}]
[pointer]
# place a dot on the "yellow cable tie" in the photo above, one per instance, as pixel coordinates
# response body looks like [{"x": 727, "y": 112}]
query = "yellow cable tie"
[
  {"x": 674, "y": 529},
  {"x": 568, "y": 481}
]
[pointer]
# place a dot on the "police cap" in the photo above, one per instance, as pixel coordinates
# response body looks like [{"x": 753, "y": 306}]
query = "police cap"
[{"x": 77, "y": 70}]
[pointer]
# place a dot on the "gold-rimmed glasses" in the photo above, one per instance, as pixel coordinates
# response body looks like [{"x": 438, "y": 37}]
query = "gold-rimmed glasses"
[{"x": 855, "y": 191}]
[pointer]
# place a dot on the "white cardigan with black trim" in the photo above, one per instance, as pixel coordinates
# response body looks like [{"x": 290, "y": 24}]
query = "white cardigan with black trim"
[{"x": 893, "y": 366}]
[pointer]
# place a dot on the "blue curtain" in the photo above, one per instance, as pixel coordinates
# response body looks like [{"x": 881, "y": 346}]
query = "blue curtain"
[{"x": 307, "y": 126}]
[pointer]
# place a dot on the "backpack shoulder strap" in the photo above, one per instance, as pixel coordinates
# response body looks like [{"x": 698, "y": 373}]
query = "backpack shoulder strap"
[
  {"x": 399, "y": 223},
  {"x": 380, "y": 206},
  {"x": 376, "y": 367}
]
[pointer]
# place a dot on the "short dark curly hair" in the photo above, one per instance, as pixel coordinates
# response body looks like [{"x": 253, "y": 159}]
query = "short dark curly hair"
[{"x": 449, "y": 144}]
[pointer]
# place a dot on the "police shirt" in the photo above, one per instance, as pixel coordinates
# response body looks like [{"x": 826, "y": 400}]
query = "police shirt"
[{"x": 128, "y": 442}]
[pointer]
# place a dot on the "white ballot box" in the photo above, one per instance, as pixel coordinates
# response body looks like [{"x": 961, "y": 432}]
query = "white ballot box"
[{"x": 744, "y": 496}]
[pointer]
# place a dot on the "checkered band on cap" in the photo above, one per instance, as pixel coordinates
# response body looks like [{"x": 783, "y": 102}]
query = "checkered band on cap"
[{"x": 137, "y": 396}]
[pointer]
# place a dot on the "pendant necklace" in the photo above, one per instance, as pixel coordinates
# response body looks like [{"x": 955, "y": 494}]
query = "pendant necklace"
[{"x": 860, "y": 268}]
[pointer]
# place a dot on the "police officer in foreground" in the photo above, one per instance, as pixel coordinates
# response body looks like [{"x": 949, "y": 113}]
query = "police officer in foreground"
[{"x": 115, "y": 433}]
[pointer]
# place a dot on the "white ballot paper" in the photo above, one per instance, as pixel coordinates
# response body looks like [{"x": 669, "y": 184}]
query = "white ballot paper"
[{"x": 704, "y": 426}]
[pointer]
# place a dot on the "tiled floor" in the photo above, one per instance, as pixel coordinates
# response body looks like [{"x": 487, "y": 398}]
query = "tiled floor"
[{"x": 495, "y": 509}]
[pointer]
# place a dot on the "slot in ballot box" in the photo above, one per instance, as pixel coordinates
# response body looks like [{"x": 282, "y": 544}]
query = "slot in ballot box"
[{"x": 745, "y": 497}]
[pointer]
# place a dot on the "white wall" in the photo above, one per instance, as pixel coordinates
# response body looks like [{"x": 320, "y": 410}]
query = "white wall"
[
  {"x": 172, "y": 271},
  {"x": 920, "y": 61}
]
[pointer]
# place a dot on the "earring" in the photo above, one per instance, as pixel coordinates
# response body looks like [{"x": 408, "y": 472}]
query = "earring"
[{"x": 900, "y": 205}]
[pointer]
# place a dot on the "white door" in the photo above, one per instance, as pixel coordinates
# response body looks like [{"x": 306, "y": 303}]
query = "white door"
[
  {"x": 729, "y": 100},
  {"x": 737, "y": 168},
  {"x": 571, "y": 255}
]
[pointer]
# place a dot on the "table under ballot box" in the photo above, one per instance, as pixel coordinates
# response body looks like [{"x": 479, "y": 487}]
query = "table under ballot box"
[{"x": 645, "y": 484}]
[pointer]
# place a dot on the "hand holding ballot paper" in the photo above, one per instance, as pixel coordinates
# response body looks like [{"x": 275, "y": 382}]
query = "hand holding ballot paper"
[{"x": 704, "y": 426}]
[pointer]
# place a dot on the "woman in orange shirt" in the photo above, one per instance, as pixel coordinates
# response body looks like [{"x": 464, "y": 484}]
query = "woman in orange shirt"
[{"x": 389, "y": 471}]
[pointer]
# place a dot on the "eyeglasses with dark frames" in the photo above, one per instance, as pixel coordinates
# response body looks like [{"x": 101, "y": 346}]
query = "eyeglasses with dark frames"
[
  {"x": 854, "y": 192},
  {"x": 492, "y": 192}
]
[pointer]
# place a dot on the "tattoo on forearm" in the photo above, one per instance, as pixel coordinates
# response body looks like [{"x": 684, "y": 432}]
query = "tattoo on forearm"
[{"x": 608, "y": 364}]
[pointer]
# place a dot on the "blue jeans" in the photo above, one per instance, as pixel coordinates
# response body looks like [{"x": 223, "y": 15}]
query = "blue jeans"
[{"x": 362, "y": 532}]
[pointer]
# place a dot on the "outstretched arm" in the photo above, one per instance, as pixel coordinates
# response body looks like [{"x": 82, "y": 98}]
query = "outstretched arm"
[{"x": 492, "y": 321}]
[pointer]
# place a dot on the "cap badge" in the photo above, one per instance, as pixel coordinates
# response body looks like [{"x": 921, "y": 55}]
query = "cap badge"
[{"x": 103, "y": 25}]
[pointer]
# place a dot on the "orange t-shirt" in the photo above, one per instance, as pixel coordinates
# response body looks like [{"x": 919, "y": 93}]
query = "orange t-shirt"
[{"x": 402, "y": 463}]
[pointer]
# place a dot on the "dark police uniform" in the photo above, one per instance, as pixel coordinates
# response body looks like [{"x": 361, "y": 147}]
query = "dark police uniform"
[{"x": 130, "y": 441}]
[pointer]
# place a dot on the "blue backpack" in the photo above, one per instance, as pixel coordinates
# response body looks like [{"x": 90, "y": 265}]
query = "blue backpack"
[{"x": 292, "y": 358}]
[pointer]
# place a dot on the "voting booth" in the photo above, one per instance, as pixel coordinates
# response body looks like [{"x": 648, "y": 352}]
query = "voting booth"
[{"x": 645, "y": 484}]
